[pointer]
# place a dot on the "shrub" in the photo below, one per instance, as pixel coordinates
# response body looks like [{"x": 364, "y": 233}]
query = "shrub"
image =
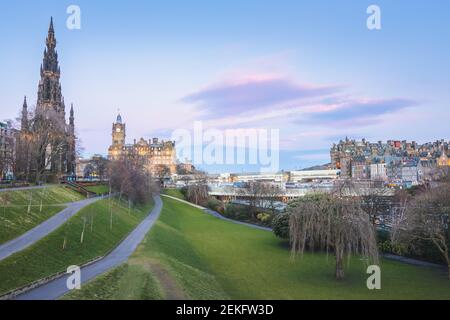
[
  {"x": 280, "y": 225},
  {"x": 236, "y": 212},
  {"x": 183, "y": 191},
  {"x": 263, "y": 217},
  {"x": 215, "y": 205}
]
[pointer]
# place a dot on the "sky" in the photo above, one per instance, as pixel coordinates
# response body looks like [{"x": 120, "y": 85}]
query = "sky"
[{"x": 310, "y": 69}]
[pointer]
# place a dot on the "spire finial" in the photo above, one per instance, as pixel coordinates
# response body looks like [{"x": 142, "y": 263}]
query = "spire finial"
[
  {"x": 50, "y": 28},
  {"x": 119, "y": 117}
]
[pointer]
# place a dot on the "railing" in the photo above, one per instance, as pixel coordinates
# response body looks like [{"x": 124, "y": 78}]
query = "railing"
[{"x": 80, "y": 189}]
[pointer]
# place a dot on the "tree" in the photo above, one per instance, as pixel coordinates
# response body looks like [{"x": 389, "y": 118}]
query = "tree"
[
  {"x": 272, "y": 194},
  {"x": 332, "y": 222},
  {"x": 130, "y": 178},
  {"x": 260, "y": 194},
  {"x": 42, "y": 148},
  {"x": 89, "y": 170},
  {"x": 197, "y": 192},
  {"x": 253, "y": 192},
  {"x": 161, "y": 171},
  {"x": 426, "y": 218},
  {"x": 375, "y": 200}
]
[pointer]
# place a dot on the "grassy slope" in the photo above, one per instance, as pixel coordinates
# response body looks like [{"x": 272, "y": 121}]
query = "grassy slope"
[
  {"x": 213, "y": 259},
  {"x": 14, "y": 216},
  {"x": 100, "y": 189},
  {"x": 122, "y": 283},
  {"x": 174, "y": 193},
  {"x": 47, "y": 256}
]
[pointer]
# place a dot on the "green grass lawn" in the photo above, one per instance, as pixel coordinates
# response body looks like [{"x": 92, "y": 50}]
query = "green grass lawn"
[
  {"x": 99, "y": 189},
  {"x": 173, "y": 193},
  {"x": 63, "y": 247},
  {"x": 22, "y": 210},
  {"x": 208, "y": 258}
]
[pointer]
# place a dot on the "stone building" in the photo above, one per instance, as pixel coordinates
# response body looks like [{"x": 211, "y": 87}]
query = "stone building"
[
  {"x": 159, "y": 155},
  {"x": 443, "y": 160},
  {"x": 7, "y": 146},
  {"x": 50, "y": 105}
]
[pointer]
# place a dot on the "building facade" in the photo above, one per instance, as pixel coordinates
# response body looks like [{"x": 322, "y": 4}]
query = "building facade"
[
  {"x": 391, "y": 161},
  {"x": 159, "y": 155},
  {"x": 7, "y": 147}
]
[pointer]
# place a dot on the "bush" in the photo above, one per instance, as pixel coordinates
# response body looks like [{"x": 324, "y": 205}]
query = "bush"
[
  {"x": 183, "y": 191},
  {"x": 215, "y": 205},
  {"x": 264, "y": 217},
  {"x": 237, "y": 212},
  {"x": 424, "y": 250},
  {"x": 280, "y": 225}
]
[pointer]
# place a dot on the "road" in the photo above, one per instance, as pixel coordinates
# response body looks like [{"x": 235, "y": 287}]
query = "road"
[
  {"x": 57, "y": 288},
  {"x": 42, "y": 230}
]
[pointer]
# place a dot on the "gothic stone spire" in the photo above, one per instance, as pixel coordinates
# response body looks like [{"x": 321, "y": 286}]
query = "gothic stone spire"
[
  {"x": 71, "y": 119},
  {"x": 24, "y": 122},
  {"x": 49, "y": 93}
]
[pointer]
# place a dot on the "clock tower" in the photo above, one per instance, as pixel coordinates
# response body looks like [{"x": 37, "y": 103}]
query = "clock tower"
[{"x": 118, "y": 132}]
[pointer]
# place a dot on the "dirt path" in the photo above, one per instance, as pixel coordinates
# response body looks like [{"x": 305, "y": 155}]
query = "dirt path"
[{"x": 169, "y": 286}]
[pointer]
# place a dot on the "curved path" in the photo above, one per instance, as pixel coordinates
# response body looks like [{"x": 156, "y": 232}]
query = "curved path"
[
  {"x": 23, "y": 188},
  {"x": 43, "y": 229},
  {"x": 56, "y": 288}
]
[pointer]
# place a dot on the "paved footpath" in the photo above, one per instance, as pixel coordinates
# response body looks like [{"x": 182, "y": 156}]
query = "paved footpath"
[
  {"x": 43, "y": 229},
  {"x": 57, "y": 288},
  {"x": 23, "y": 188}
]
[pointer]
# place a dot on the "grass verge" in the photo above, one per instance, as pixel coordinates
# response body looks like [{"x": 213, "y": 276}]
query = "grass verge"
[
  {"x": 99, "y": 189},
  {"x": 22, "y": 210},
  {"x": 90, "y": 233},
  {"x": 173, "y": 193}
]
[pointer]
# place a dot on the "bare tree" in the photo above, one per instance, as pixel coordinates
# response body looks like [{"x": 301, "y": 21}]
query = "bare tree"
[
  {"x": 330, "y": 222},
  {"x": 376, "y": 200},
  {"x": 426, "y": 217},
  {"x": 197, "y": 192},
  {"x": 260, "y": 194},
  {"x": 161, "y": 172},
  {"x": 43, "y": 147},
  {"x": 253, "y": 192},
  {"x": 272, "y": 194},
  {"x": 130, "y": 178}
]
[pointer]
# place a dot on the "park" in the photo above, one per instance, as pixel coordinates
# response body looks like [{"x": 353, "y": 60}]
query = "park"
[{"x": 191, "y": 254}]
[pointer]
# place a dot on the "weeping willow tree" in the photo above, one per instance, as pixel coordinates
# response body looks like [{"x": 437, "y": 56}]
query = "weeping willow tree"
[{"x": 331, "y": 223}]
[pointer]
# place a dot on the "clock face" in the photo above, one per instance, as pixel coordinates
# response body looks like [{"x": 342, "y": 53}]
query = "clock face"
[{"x": 118, "y": 130}]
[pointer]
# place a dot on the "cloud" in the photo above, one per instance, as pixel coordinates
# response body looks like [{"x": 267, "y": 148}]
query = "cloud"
[
  {"x": 313, "y": 154},
  {"x": 358, "y": 112},
  {"x": 252, "y": 93}
]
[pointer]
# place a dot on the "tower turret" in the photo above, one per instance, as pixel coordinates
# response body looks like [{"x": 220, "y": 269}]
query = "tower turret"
[
  {"x": 24, "y": 120},
  {"x": 71, "y": 121}
]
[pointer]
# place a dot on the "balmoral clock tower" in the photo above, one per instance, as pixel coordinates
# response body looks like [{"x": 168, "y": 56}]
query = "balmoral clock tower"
[
  {"x": 118, "y": 133},
  {"x": 117, "y": 147}
]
